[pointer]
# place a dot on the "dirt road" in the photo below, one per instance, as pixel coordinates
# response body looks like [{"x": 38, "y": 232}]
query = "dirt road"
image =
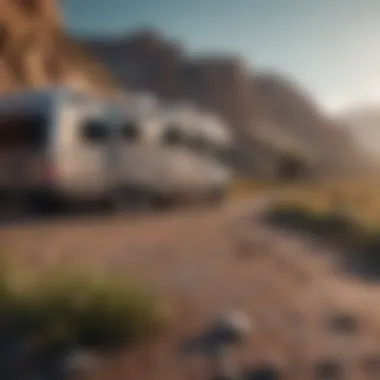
[{"x": 206, "y": 261}]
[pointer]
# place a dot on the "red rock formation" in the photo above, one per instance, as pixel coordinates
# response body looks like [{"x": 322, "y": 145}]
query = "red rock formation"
[{"x": 34, "y": 50}]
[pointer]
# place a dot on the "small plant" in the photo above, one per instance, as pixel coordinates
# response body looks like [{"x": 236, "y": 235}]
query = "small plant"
[
  {"x": 291, "y": 214},
  {"x": 344, "y": 214},
  {"x": 334, "y": 226},
  {"x": 7, "y": 298},
  {"x": 97, "y": 313}
]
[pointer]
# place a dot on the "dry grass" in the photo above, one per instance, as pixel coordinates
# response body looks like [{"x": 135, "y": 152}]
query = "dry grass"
[
  {"x": 347, "y": 212},
  {"x": 77, "y": 307},
  {"x": 358, "y": 201},
  {"x": 247, "y": 188}
]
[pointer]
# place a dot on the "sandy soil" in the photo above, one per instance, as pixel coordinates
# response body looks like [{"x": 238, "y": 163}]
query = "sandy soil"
[{"x": 208, "y": 261}]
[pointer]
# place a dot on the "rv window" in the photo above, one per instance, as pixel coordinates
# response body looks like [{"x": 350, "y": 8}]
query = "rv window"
[
  {"x": 130, "y": 132},
  {"x": 198, "y": 144},
  {"x": 223, "y": 156},
  {"x": 172, "y": 136},
  {"x": 95, "y": 131},
  {"x": 22, "y": 130}
]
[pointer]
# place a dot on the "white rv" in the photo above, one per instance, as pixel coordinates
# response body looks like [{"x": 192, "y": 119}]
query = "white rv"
[{"x": 60, "y": 145}]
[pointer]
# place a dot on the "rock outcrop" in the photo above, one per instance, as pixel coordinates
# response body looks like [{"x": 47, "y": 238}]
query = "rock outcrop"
[{"x": 34, "y": 50}]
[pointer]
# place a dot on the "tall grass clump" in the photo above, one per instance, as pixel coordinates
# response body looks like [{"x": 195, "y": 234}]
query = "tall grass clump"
[{"x": 86, "y": 311}]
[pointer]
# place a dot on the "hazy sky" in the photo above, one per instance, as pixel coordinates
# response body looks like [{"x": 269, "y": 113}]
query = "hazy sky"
[{"x": 331, "y": 46}]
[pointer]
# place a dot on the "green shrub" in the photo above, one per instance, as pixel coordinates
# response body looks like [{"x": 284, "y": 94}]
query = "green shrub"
[
  {"x": 93, "y": 312},
  {"x": 336, "y": 225},
  {"x": 7, "y": 297},
  {"x": 296, "y": 215}
]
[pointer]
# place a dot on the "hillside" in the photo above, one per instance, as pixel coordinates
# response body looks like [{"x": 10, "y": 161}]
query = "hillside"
[
  {"x": 327, "y": 141},
  {"x": 34, "y": 50},
  {"x": 364, "y": 124},
  {"x": 273, "y": 117}
]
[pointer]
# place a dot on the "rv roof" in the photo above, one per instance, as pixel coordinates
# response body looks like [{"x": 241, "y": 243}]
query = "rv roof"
[
  {"x": 41, "y": 97},
  {"x": 46, "y": 91}
]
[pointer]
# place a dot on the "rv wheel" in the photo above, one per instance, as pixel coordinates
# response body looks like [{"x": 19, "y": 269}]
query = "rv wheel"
[
  {"x": 117, "y": 201},
  {"x": 131, "y": 199},
  {"x": 45, "y": 205},
  {"x": 160, "y": 202}
]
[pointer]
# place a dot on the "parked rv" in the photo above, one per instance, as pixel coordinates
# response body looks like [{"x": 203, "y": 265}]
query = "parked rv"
[{"x": 58, "y": 145}]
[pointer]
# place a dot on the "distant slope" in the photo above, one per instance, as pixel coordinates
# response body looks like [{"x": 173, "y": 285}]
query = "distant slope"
[
  {"x": 295, "y": 113},
  {"x": 364, "y": 125}
]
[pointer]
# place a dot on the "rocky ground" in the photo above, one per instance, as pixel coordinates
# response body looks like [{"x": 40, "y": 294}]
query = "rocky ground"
[{"x": 309, "y": 317}]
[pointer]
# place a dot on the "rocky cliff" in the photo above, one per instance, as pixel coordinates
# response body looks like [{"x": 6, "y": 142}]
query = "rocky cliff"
[{"x": 34, "y": 50}]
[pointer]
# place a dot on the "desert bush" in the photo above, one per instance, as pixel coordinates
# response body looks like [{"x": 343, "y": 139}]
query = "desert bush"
[
  {"x": 292, "y": 215},
  {"x": 336, "y": 226},
  {"x": 8, "y": 300},
  {"x": 344, "y": 214},
  {"x": 368, "y": 244},
  {"x": 97, "y": 313}
]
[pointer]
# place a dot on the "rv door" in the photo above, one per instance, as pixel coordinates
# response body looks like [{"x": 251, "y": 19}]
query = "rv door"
[{"x": 23, "y": 142}]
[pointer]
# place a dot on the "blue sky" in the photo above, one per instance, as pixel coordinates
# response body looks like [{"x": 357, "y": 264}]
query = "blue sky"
[{"x": 332, "y": 47}]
